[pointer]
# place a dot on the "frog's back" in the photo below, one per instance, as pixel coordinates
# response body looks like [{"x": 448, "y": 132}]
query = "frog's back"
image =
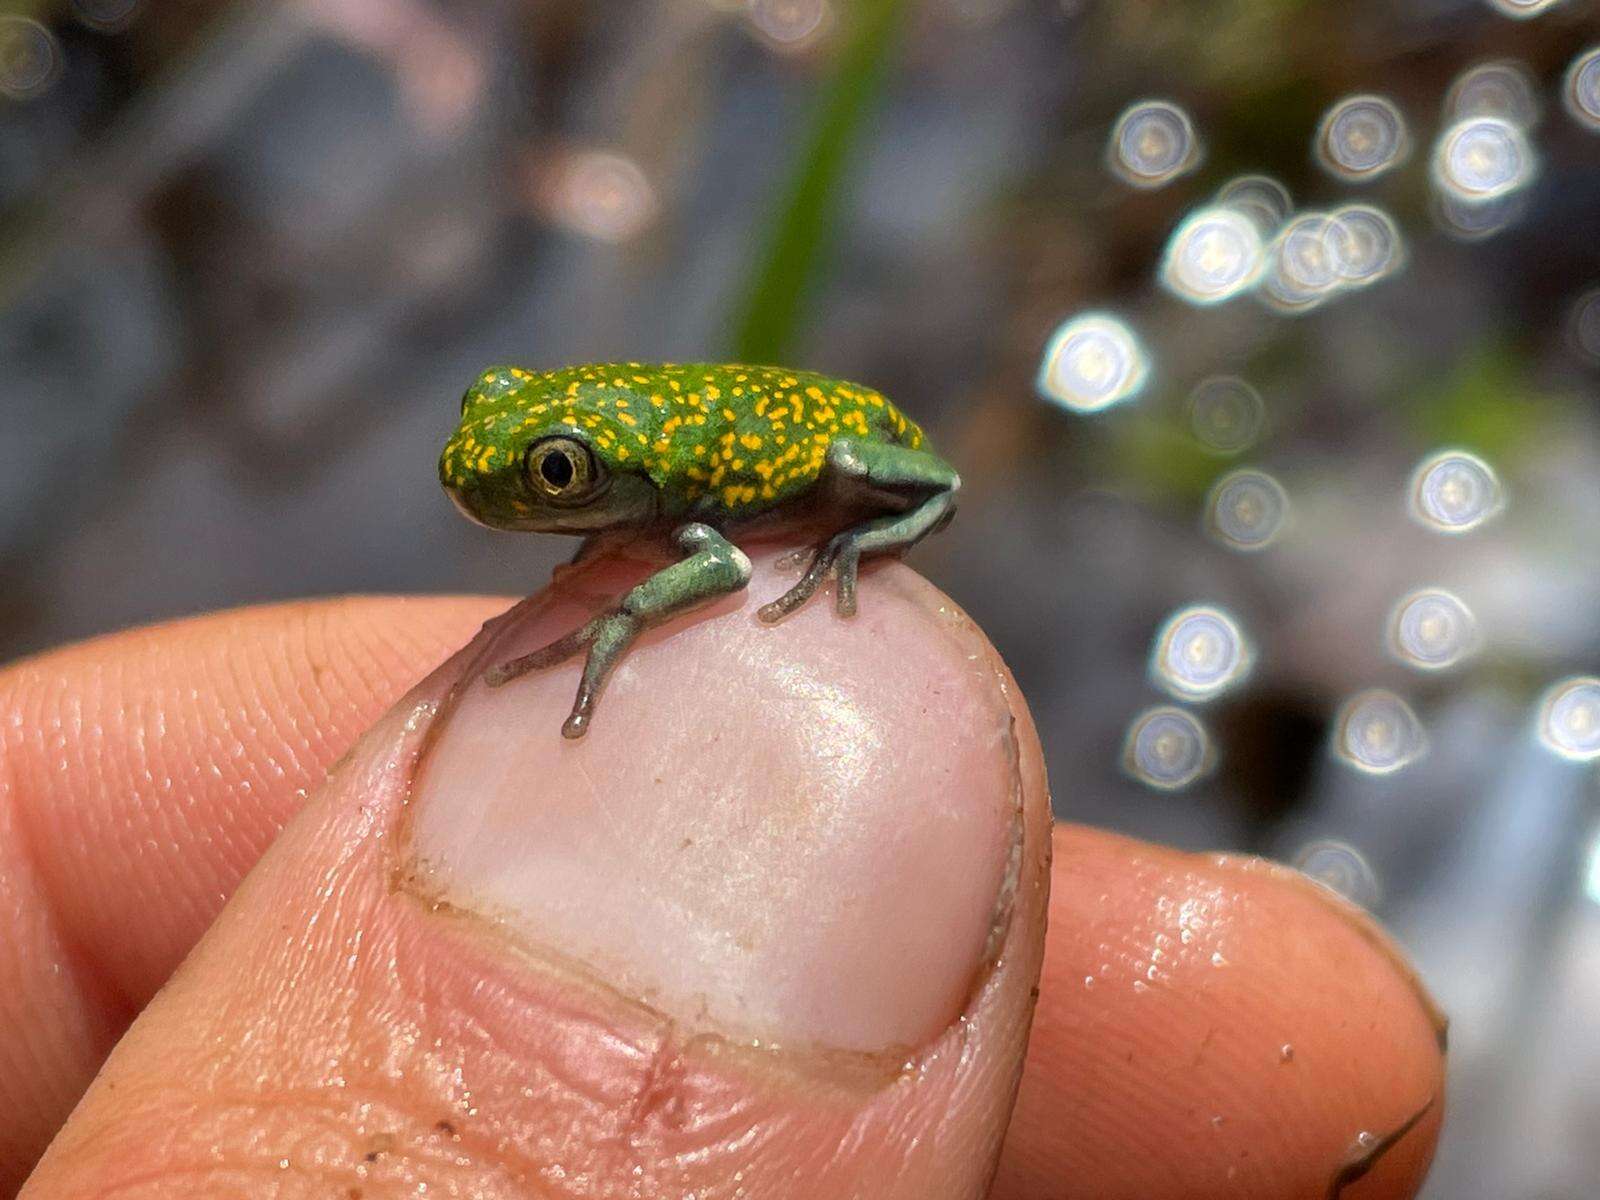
[
  {"x": 741, "y": 440},
  {"x": 763, "y": 434}
]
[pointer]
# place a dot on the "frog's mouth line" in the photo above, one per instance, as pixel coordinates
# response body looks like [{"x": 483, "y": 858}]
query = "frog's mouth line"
[{"x": 463, "y": 507}]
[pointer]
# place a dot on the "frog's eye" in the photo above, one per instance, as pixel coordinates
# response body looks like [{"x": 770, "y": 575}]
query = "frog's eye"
[{"x": 561, "y": 469}]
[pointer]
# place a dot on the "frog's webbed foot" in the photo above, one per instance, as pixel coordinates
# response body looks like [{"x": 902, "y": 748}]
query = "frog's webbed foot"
[
  {"x": 931, "y": 487},
  {"x": 712, "y": 567}
]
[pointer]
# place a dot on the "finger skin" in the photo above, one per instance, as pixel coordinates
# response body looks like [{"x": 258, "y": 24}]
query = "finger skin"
[
  {"x": 336, "y": 1033},
  {"x": 271, "y": 697},
  {"x": 141, "y": 775},
  {"x": 1216, "y": 1026}
]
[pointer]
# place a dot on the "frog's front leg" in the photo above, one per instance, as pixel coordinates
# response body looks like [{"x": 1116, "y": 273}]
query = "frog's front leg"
[
  {"x": 712, "y": 567},
  {"x": 927, "y": 482}
]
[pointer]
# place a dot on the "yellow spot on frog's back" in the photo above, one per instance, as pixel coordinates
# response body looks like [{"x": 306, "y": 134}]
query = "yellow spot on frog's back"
[{"x": 750, "y": 441}]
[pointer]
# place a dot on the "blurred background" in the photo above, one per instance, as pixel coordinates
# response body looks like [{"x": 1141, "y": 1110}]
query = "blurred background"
[{"x": 1282, "y": 494}]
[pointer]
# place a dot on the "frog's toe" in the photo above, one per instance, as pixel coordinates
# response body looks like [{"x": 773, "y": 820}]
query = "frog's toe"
[
  {"x": 799, "y": 593},
  {"x": 793, "y": 559},
  {"x": 777, "y": 610},
  {"x": 846, "y": 566},
  {"x": 558, "y": 651},
  {"x": 834, "y": 552}
]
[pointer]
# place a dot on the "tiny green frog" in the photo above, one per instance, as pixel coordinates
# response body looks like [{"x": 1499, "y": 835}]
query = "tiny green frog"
[{"x": 697, "y": 452}]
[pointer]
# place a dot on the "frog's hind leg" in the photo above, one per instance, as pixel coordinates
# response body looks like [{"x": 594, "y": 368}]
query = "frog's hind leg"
[
  {"x": 712, "y": 567},
  {"x": 926, "y": 480}
]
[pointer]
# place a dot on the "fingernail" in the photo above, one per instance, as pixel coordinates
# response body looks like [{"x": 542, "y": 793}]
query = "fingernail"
[{"x": 802, "y": 833}]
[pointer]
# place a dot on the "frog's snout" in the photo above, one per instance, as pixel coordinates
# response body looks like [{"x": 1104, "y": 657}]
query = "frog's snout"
[{"x": 462, "y": 499}]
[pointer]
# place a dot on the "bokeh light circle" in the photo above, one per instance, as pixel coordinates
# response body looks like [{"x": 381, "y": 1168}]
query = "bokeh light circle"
[
  {"x": 600, "y": 194},
  {"x": 1301, "y": 270},
  {"x": 1260, "y": 197},
  {"x": 790, "y": 25},
  {"x": 1212, "y": 256},
  {"x": 1247, "y": 510},
  {"x": 1152, "y": 143},
  {"x": 1454, "y": 492},
  {"x": 1339, "y": 867},
  {"x": 1364, "y": 243},
  {"x": 1473, "y": 221},
  {"x": 1580, "y": 90},
  {"x": 1361, "y": 137},
  {"x": 1483, "y": 158},
  {"x": 30, "y": 59},
  {"x": 1522, "y": 9},
  {"x": 1092, "y": 362},
  {"x": 1378, "y": 734},
  {"x": 107, "y": 16},
  {"x": 1569, "y": 719},
  {"x": 1432, "y": 629},
  {"x": 1226, "y": 414},
  {"x": 1583, "y": 324},
  {"x": 1502, "y": 88},
  {"x": 1167, "y": 748},
  {"x": 1199, "y": 653}
]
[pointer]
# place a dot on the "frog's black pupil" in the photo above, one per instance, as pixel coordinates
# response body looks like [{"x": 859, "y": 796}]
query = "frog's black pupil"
[{"x": 556, "y": 468}]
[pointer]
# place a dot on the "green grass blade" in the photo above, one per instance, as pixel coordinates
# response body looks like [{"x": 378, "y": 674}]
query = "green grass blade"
[{"x": 796, "y": 235}]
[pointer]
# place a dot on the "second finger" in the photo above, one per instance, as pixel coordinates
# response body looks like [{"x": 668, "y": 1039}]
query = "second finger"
[{"x": 1218, "y": 1026}]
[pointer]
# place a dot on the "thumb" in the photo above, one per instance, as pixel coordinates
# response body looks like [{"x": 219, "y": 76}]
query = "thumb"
[{"x": 771, "y": 929}]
